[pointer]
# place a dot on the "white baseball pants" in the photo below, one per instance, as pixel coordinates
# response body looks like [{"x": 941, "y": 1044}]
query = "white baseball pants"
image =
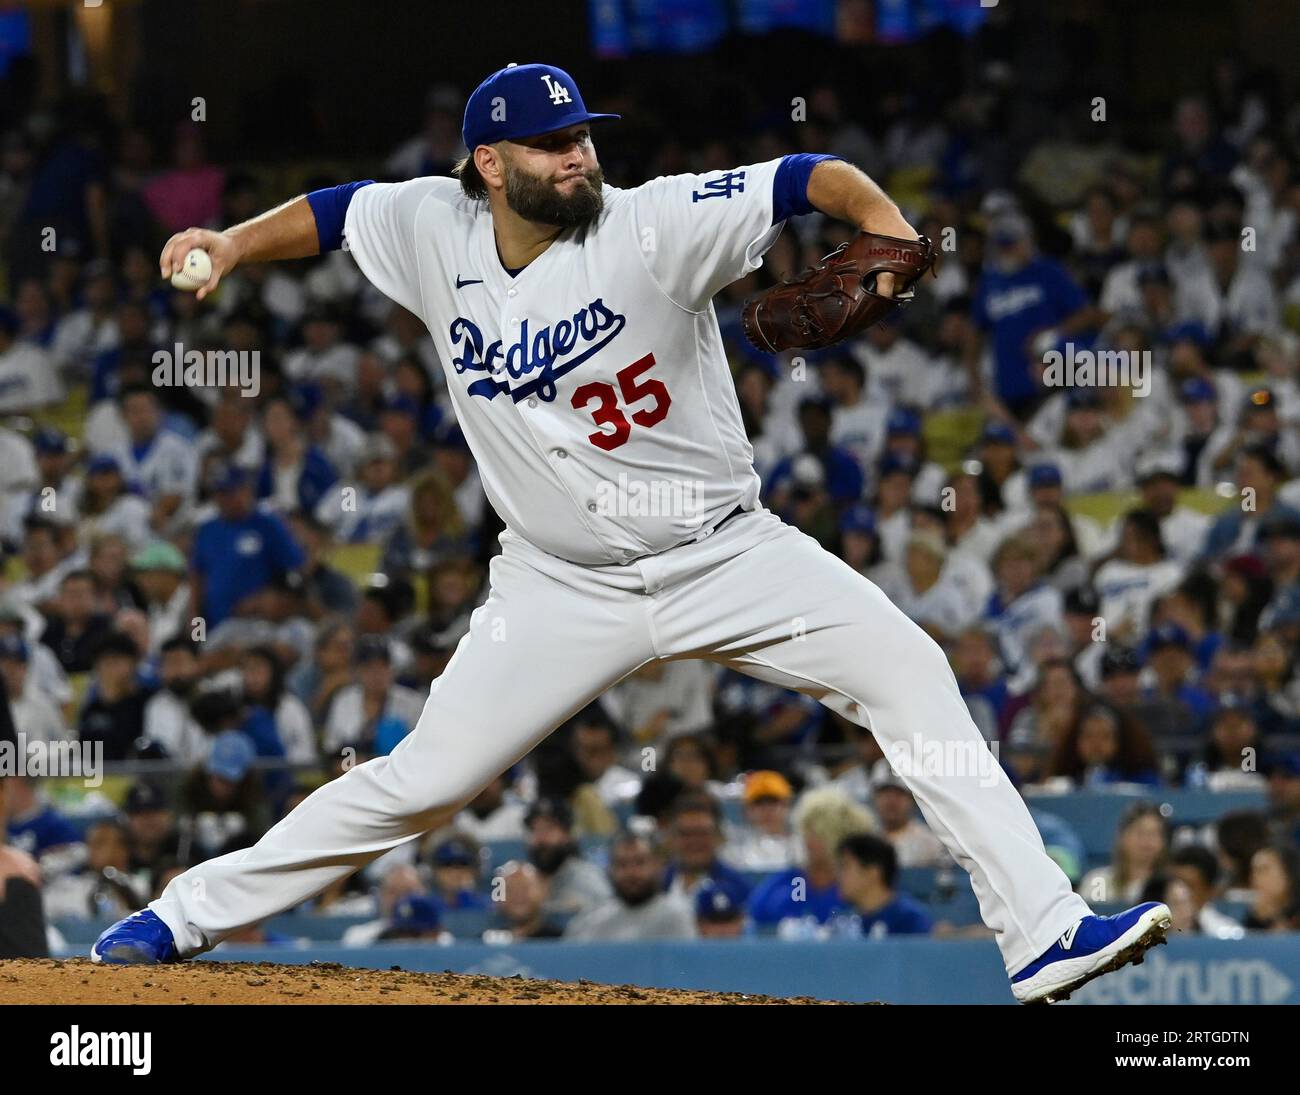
[{"x": 757, "y": 595}]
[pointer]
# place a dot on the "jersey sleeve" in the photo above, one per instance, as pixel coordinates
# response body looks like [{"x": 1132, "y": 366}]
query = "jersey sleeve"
[
  {"x": 379, "y": 229},
  {"x": 699, "y": 233}
]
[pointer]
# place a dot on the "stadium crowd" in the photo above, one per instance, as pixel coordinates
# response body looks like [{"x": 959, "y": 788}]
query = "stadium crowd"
[{"x": 239, "y": 591}]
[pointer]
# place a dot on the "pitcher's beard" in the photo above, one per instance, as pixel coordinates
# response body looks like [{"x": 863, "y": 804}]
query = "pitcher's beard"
[{"x": 539, "y": 201}]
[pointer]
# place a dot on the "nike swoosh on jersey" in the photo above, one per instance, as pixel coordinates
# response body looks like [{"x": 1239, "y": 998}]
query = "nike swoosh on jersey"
[{"x": 462, "y": 282}]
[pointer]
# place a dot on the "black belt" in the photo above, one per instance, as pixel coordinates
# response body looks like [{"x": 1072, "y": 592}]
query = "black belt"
[{"x": 709, "y": 532}]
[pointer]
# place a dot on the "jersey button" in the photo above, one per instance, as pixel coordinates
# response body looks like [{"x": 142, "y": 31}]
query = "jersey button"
[
  {"x": 560, "y": 454},
  {"x": 532, "y": 401},
  {"x": 512, "y": 292},
  {"x": 514, "y": 322},
  {"x": 591, "y": 507}
]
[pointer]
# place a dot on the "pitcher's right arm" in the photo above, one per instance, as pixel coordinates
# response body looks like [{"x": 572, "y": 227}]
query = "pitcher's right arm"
[{"x": 298, "y": 229}]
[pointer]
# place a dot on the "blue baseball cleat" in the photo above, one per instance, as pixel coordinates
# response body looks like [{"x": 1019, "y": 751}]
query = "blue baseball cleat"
[
  {"x": 140, "y": 939},
  {"x": 1093, "y": 946}
]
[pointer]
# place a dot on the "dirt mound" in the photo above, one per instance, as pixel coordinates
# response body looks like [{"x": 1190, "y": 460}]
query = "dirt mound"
[{"x": 79, "y": 981}]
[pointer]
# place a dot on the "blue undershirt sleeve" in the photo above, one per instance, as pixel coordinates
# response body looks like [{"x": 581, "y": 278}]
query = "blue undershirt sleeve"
[
  {"x": 790, "y": 185},
  {"x": 330, "y": 206}
]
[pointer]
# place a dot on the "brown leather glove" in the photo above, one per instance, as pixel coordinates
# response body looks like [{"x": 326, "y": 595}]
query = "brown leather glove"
[{"x": 836, "y": 299}]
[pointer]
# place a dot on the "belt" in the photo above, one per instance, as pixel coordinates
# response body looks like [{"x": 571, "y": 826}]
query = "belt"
[{"x": 710, "y": 531}]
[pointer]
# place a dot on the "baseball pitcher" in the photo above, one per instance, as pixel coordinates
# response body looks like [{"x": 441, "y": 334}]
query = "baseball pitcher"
[{"x": 583, "y": 355}]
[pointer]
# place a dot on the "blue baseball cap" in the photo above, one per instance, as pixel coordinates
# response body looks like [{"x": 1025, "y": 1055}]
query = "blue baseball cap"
[
  {"x": 418, "y": 912},
  {"x": 229, "y": 478},
  {"x": 103, "y": 463},
  {"x": 1167, "y": 635},
  {"x": 1044, "y": 475},
  {"x": 402, "y": 404},
  {"x": 523, "y": 101},
  {"x": 718, "y": 903},
  {"x": 997, "y": 433},
  {"x": 893, "y": 462},
  {"x": 455, "y": 853},
  {"x": 1197, "y": 390},
  {"x": 47, "y": 441},
  {"x": 13, "y": 646},
  {"x": 232, "y": 755},
  {"x": 904, "y": 420},
  {"x": 858, "y": 518}
]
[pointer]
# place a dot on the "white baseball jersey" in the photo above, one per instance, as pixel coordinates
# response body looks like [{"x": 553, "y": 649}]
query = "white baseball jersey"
[{"x": 592, "y": 388}]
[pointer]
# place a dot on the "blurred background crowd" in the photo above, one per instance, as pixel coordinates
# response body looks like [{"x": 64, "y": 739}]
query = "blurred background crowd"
[{"x": 1115, "y": 576}]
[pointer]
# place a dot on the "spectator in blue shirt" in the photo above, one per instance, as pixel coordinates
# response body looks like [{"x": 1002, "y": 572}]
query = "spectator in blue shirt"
[
  {"x": 1173, "y": 662},
  {"x": 240, "y": 551},
  {"x": 824, "y": 818},
  {"x": 1259, "y": 475},
  {"x": 719, "y": 912},
  {"x": 868, "y": 876},
  {"x": 456, "y": 865},
  {"x": 1104, "y": 746},
  {"x": 844, "y": 479},
  {"x": 35, "y": 827},
  {"x": 1027, "y": 305},
  {"x": 696, "y": 839}
]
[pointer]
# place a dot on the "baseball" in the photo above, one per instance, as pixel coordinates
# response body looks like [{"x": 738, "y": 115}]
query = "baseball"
[{"x": 194, "y": 272}]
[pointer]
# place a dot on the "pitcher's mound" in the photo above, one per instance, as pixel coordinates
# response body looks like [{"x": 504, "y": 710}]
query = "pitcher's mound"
[{"x": 79, "y": 981}]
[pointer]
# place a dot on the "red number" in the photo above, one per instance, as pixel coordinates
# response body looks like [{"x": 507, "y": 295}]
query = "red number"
[
  {"x": 609, "y": 413},
  {"x": 632, "y": 391}
]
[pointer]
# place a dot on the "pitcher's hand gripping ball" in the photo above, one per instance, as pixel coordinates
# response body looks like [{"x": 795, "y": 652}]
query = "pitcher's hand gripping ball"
[
  {"x": 837, "y": 298},
  {"x": 194, "y": 272}
]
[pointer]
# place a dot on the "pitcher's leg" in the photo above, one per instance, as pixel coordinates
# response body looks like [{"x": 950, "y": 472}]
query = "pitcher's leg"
[
  {"x": 819, "y": 627},
  {"x": 536, "y": 652}
]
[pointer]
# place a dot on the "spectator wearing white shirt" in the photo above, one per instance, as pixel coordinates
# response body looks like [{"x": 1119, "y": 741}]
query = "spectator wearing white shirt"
[
  {"x": 895, "y": 809},
  {"x": 231, "y": 437},
  {"x": 1121, "y": 291},
  {"x": 663, "y": 700},
  {"x": 773, "y": 436},
  {"x": 970, "y": 531},
  {"x": 1139, "y": 571},
  {"x": 1182, "y": 529},
  {"x": 159, "y": 464},
  {"x": 34, "y": 713},
  {"x": 594, "y": 745},
  {"x": 373, "y": 504},
  {"x": 107, "y": 504},
  {"x": 892, "y": 361},
  {"x": 1259, "y": 423},
  {"x": 168, "y": 721},
  {"x": 29, "y": 379},
  {"x": 374, "y": 713},
  {"x": 159, "y": 572},
  {"x": 929, "y": 592},
  {"x": 1233, "y": 298},
  {"x": 82, "y": 335},
  {"x": 857, "y": 422},
  {"x": 325, "y": 358},
  {"x": 767, "y": 840},
  {"x": 1088, "y": 456},
  {"x": 1022, "y": 604},
  {"x": 1199, "y": 430}
]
